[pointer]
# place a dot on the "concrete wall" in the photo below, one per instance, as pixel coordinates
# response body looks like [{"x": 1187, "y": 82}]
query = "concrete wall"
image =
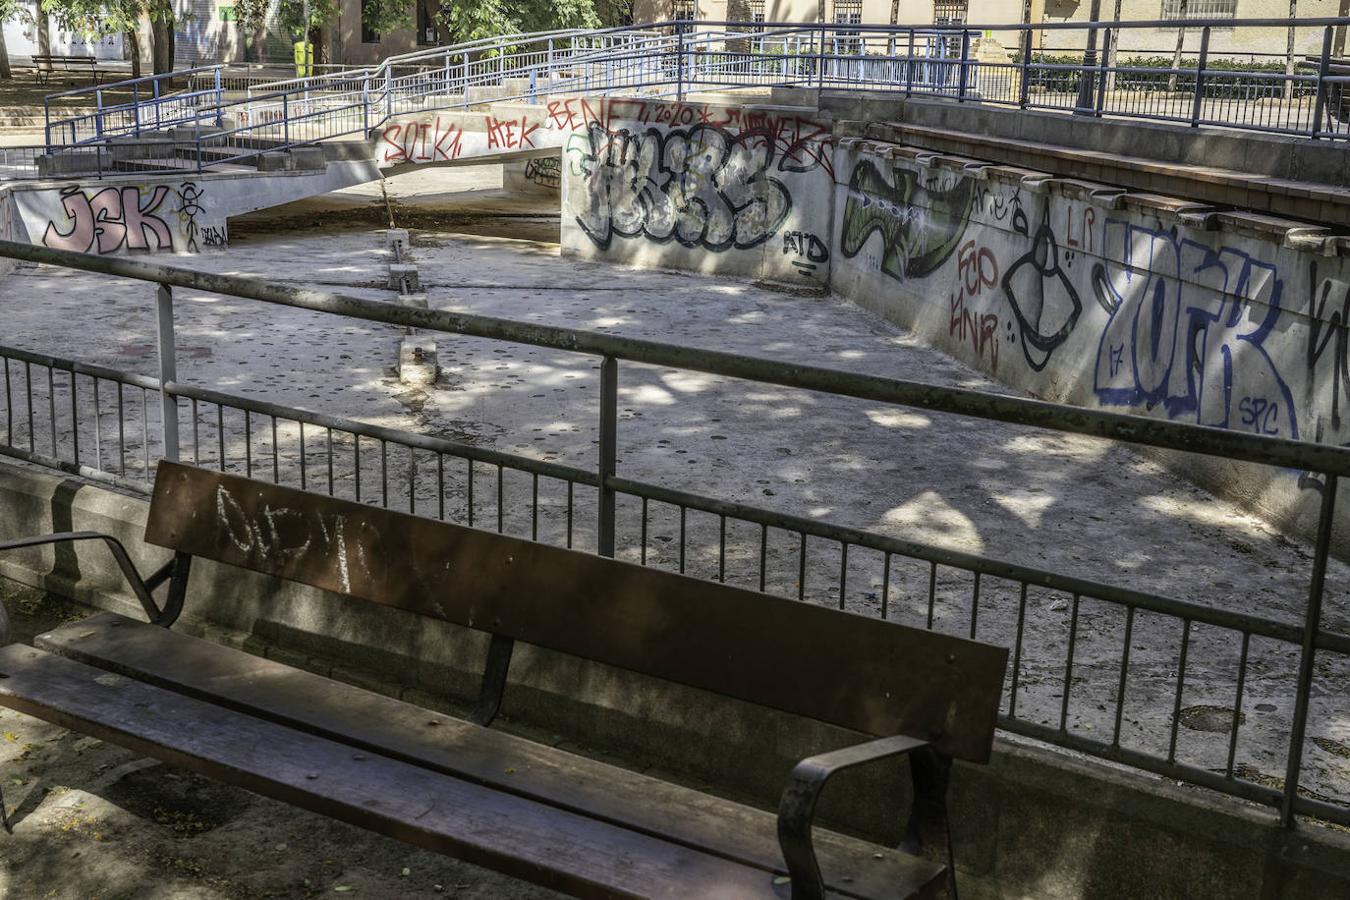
[
  {"x": 1034, "y": 823},
  {"x": 1084, "y": 294},
  {"x": 501, "y": 131},
  {"x": 1073, "y": 291},
  {"x": 703, "y": 186},
  {"x": 181, "y": 214}
]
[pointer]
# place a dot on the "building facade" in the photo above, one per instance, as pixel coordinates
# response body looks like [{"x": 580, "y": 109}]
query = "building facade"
[{"x": 1256, "y": 43}]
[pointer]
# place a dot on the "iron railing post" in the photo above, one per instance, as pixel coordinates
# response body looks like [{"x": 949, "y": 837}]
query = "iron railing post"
[
  {"x": 136, "y": 110},
  {"x": 1086, "y": 76},
  {"x": 168, "y": 370},
  {"x": 98, "y": 114},
  {"x": 1200, "y": 77},
  {"x": 447, "y": 74},
  {"x": 609, "y": 446},
  {"x": 963, "y": 72},
  {"x": 220, "y": 101},
  {"x": 1312, "y": 624},
  {"x": 1025, "y": 88},
  {"x": 285, "y": 119},
  {"x": 388, "y": 90},
  {"x": 365, "y": 106},
  {"x": 1320, "y": 106}
]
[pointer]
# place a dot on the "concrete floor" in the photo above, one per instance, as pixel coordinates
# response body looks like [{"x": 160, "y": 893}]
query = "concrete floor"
[{"x": 1073, "y": 505}]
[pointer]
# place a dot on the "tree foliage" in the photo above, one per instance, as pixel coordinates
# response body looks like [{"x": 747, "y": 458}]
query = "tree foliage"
[{"x": 471, "y": 20}]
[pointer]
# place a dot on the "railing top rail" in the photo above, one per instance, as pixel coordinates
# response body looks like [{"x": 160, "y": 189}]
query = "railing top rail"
[
  {"x": 1284, "y": 22},
  {"x": 960, "y": 401}
]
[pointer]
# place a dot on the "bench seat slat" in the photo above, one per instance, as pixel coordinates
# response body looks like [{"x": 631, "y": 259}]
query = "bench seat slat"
[
  {"x": 483, "y": 826},
  {"x": 362, "y": 718}
]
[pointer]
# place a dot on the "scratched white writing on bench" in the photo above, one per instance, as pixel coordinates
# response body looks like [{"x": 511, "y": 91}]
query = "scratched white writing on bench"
[{"x": 284, "y": 537}]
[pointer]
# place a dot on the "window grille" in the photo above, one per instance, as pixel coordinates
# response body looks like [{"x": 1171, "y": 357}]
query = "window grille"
[{"x": 1199, "y": 9}]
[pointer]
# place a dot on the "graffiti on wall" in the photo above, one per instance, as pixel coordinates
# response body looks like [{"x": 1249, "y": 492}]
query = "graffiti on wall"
[
  {"x": 701, "y": 187},
  {"x": 544, "y": 171},
  {"x": 112, "y": 219},
  {"x": 807, "y": 250},
  {"x": 1179, "y": 326},
  {"x": 440, "y": 140},
  {"x": 712, "y": 177},
  {"x": 1040, "y": 294},
  {"x": 920, "y": 225},
  {"x": 1187, "y": 329}
]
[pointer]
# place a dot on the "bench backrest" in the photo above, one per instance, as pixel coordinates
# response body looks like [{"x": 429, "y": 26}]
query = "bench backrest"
[{"x": 869, "y": 675}]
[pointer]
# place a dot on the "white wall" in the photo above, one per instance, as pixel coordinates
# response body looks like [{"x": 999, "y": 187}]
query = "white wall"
[{"x": 21, "y": 40}]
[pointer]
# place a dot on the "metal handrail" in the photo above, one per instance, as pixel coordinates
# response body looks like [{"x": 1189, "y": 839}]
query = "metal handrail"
[
  {"x": 673, "y": 57},
  {"x": 1162, "y": 433},
  {"x": 1309, "y": 635}
]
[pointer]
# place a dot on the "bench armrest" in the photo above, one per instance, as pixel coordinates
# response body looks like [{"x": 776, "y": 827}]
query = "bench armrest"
[
  {"x": 796, "y": 809},
  {"x": 138, "y": 584}
]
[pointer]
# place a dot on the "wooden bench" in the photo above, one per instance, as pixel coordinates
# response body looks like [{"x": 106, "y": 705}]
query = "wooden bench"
[
  {"x": 493, "y": 799},
  {"x": 44, "y": 66}
]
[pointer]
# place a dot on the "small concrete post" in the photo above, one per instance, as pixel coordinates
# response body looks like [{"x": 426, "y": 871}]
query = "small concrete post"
[{"x": 168, "y": 370}]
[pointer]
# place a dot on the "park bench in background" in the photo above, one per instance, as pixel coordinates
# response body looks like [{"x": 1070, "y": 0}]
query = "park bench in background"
[
  {"x": 44, "y": 66},
  {"x": 491, "y": 798}
]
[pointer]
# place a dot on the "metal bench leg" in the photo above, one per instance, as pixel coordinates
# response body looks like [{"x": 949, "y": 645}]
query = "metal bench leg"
[
  {"x": 494, "y": 681},
  {"x": 926, "y": 833}
]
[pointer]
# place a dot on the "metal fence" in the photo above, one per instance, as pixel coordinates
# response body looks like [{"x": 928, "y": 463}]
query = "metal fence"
[
  {"x": 996, "y": 64},
  {"x": 113, "y": 426}
]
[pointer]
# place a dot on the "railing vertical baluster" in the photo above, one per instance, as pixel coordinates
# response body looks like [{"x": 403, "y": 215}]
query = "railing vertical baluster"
[
  {"x": 1068, "y": 666},
  {"x": 1312, "y": 624},
  {"x": 1237, "y": 702},
  {"x": 98, "y": 428},
  {"x": 609, "y": 426},
  {"x": 440, "y": 486},
  {"x": 168, "y": 370},
  {"x": 1124, "y": 675},
  {"x": 51, "y": 409},
  {"x": 1017, "y": 651},
  {"x": 74, "y": 419},
  {"x": 1181, "y": 689}
]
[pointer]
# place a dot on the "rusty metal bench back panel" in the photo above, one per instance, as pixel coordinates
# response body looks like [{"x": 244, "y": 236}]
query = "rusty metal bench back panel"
[{"x": 875, "y": 677}]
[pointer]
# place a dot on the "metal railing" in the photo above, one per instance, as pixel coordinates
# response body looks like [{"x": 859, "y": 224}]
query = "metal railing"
[
  {"x": 996, "y": 64},
  {"x": 113, "y": 426}
]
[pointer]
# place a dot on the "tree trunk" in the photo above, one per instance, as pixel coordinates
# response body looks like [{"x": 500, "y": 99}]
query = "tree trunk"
[
  {"x": 161, "y": 47},
  {"x": 316, "y": 38},
  {"x": 1289, "y": 53},
  {"x": 4, "y": 56},
  {"x": 1181, "y": 41},
  {"x": 43, "y": 31},
  {"x": 1111, "y": 52},
  {"x": 134, "y": 39},
  {"x": 895, "y": 12}
]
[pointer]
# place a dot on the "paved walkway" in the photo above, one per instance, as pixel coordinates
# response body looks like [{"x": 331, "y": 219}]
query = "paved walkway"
[{"x": 1067, "y": 504}]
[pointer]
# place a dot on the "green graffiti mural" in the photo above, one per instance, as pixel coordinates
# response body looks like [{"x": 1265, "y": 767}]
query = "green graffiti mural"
[{"x": 920, "y": 227}]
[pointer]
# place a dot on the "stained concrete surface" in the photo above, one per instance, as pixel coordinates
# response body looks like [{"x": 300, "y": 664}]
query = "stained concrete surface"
[{"x": 1067, "y": 504}]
